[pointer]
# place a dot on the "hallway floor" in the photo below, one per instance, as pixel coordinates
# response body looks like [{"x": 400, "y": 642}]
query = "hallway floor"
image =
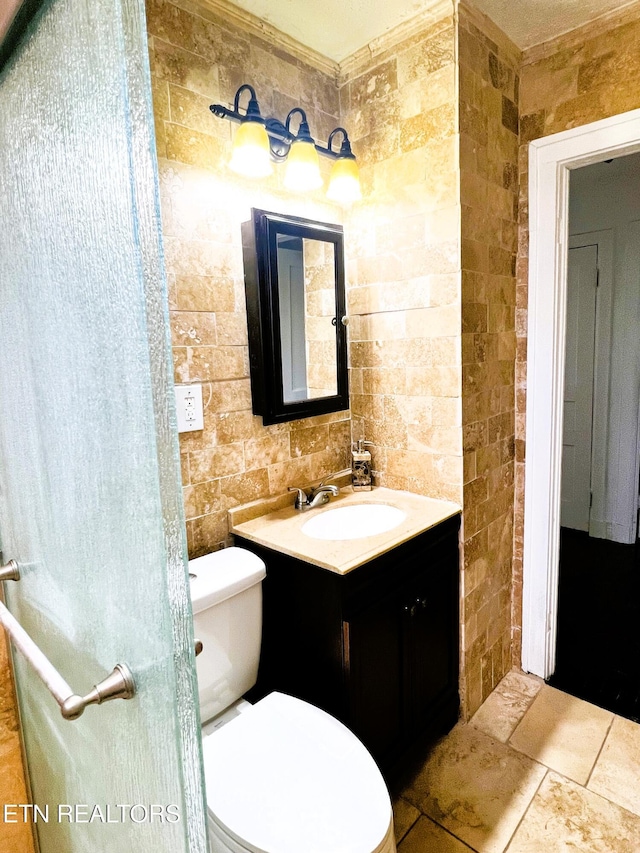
[
  {"x": 534, "y": 770},
  {"x": 598, "y": 647}
]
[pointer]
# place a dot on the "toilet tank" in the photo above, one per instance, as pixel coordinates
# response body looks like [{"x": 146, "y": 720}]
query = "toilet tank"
[{"x": 226, "y": 596}]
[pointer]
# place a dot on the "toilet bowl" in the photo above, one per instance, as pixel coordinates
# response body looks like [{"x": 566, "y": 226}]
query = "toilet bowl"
[{"x": 282, "y": 776}]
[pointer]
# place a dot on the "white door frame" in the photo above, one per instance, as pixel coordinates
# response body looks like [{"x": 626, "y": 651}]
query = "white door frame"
[{"x": 550, "y": 160}]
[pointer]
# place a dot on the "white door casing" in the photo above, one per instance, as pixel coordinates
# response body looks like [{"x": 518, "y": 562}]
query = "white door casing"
[{"x": 550, "y": 160}]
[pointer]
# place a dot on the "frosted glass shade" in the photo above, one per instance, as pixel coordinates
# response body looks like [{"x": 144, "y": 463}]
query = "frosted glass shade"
[
  {"x": 303, "y": 167},
  {"x": 251, "y": 156},
  {"x": 344, "y": 184}
]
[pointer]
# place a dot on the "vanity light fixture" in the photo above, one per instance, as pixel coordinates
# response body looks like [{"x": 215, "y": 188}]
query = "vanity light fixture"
[
  {"x": 251, "y": 154},
  {"x": 259, "y": 142},
  {"x": 303, "y": 165},
  {"x": 344, "y": 183}
]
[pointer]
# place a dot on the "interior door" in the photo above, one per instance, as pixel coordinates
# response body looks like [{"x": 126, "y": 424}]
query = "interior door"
[
  {"x": 578, "y": 387},
  {"x": 292, "y": 321},
  {"x": 89, "y": 485}
]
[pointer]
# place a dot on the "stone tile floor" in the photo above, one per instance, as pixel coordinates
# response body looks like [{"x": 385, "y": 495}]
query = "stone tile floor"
[{"x": 534, "y": 771}]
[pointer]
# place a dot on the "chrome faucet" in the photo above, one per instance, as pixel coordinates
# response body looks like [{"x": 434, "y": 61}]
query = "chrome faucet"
[
  {"x": 316, "y": 497},
  {"x": 319, "y": 495}
]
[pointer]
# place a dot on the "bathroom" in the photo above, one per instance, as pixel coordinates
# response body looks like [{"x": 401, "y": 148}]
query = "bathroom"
[
  {"x": 439, "y": 113},
  {"x": 402, "y": 258}
]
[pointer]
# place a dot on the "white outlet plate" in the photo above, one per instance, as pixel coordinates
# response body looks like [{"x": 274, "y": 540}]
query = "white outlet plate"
[{"x": 189, "y": 407}]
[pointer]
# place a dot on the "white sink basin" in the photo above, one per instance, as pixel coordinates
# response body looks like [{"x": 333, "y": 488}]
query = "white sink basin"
[{"x": 356, "y": 521}]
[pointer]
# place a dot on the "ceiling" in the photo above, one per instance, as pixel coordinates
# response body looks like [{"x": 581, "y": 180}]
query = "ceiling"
[
  {"x": 337, "y": 28},
  {"x": 529, "y": 22}
]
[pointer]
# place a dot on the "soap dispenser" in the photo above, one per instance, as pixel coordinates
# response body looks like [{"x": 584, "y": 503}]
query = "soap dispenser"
[{"x": 361, "y": 466}]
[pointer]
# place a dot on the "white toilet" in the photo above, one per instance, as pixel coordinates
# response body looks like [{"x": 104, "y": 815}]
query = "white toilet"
[{"x": 282, "y": 776}]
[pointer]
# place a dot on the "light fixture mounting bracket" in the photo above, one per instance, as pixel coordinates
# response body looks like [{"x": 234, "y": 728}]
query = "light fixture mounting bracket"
[{"x": 280, "y": 137}]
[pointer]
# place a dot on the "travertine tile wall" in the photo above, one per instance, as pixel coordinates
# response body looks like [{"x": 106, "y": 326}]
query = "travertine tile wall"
[
  {"x": 14, "y": 837},
  {"x": 488, "y": 88},
  {"x": 197, "y": 58},
  {"x": 589, "y": 74},
  {"x": 403, "y": 247},
  {"x": 404, "y": 262}
]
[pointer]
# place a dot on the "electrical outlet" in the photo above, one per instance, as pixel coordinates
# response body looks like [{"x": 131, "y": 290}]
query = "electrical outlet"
[{"x": 189, "y": 407}]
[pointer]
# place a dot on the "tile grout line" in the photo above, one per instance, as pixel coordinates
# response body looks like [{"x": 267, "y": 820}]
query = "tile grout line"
[
  {"x": 449, "y": 832},
  {"x": 526, "y": 811},
  {"x": 606, "y": 738},
  {"x": 406, "y": 832},
  {"x": 594, "y": 793},
  {"x": 521, "y": 721}
]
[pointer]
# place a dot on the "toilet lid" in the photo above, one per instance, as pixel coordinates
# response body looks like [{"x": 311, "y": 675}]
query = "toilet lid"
[{"x": 285, "y": 777}]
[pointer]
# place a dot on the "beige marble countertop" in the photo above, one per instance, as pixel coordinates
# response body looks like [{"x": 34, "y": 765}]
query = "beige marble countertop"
[{"x": 277, "y": 526}]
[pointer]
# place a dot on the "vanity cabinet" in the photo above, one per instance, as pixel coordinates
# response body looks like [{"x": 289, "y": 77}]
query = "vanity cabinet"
[{"x": 376, "y": 647}]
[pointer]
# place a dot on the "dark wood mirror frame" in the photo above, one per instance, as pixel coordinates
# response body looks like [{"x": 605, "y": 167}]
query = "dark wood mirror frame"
[{"x": 260, "y": 242}]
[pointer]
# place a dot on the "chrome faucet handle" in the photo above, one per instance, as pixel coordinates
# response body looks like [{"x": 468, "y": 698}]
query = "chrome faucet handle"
[{"x": 301, "y": 498}]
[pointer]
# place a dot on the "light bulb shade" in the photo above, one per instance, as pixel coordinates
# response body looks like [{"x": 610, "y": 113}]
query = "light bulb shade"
[
  {"x": 344, "y": 184},
  {"x": 251, "y": 154},
  {"x": 303, "y": 167}
]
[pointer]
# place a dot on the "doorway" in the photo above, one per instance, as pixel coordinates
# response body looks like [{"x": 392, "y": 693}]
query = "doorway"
[
  {"x": 551, "y": 161},
  {"x": 597, "y": 648}
]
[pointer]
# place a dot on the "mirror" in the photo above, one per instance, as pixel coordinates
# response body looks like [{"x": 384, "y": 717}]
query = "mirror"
[
  {"x": 307, "y": 308},
  {"x": 294, "y": 285}
]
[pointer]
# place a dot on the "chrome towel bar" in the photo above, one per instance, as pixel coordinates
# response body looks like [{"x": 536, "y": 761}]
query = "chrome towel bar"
[
  {"x": 119, "y": 684},
  {"x": 10, "y": 572}
]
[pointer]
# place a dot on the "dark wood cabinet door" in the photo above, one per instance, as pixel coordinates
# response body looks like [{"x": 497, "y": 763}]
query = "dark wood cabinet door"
[
  {"x": 373, "y": 658},
  {"x": 430, "y": 656}
]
